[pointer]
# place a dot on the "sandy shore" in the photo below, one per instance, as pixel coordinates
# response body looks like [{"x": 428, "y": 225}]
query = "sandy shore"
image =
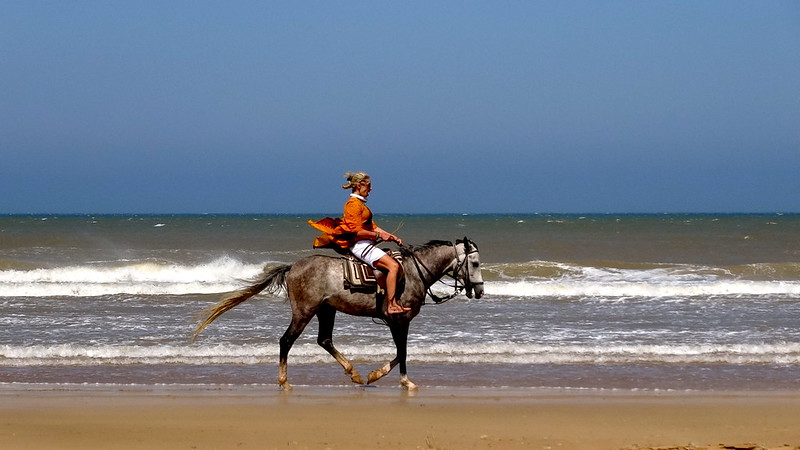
[{"x": 343, "y": 418}]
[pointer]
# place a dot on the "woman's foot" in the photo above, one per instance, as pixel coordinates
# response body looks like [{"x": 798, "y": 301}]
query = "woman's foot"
[{"x": 395, "y": 308}]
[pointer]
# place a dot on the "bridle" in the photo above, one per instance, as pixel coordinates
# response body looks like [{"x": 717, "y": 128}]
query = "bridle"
[{"x": 459, "y": 267}]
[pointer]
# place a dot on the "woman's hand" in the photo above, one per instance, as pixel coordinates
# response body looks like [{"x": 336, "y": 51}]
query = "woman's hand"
[{"x": 386, "y": 236}]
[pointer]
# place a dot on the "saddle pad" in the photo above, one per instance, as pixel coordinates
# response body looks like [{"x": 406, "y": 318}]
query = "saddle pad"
[{"x": 358, "y": 275}]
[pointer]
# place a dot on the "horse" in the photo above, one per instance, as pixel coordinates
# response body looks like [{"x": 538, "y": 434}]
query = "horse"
[{"x": 314, "y": 286}]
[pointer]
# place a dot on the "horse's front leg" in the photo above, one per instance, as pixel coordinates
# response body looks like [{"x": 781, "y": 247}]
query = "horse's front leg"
[
  {"x": 326, "y": 316},
  {"x": 400, "y": 336}
]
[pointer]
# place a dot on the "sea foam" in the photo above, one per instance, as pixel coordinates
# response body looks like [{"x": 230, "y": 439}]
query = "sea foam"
[
  {"x": 525, "y": 280},
  {"x": 488, "y": 353},
  {"x": 623, "y": 289},
  {"x": 136, "y": 278},
  {"x": 550, "y": 279}
]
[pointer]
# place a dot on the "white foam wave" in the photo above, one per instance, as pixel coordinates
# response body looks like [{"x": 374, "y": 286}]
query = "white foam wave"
[
  {"x": 487, "y": 353},
  {"x": 565, "y": 280},
  {"x": 627, "y": 289},
  {"x": 225, "y": 274},
  {"x": 136, "y": 278}
]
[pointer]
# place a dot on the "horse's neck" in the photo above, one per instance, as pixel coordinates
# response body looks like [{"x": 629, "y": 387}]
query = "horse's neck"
[{"x": 437, "y": 261}]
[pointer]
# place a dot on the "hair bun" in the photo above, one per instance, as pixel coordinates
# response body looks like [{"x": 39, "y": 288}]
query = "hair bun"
[{"x": 354, "y": 179}]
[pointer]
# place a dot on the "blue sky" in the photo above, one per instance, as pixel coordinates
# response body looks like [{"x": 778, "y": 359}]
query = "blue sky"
[{"x": 451, "y": 106}]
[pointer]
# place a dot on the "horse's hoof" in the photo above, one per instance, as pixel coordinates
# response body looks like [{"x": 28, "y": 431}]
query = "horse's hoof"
[
  {"x": 355, "y": 377},
  {"x": 377, "y": 374},
  {"x": 285, "y": 386},
  {"x": 373, "y": 377},
  {"x": 408, "y": 384}
]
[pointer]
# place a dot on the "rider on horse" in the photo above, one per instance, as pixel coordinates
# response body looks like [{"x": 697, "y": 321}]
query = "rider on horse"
[{"x": 358, "y": 233}]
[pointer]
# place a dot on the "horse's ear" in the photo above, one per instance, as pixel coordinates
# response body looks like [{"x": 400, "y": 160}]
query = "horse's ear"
[{"x": 469, "y": 245}]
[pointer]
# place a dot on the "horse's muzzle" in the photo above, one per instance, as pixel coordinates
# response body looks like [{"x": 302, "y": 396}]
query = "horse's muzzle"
[{"x": 477, "y": 289}]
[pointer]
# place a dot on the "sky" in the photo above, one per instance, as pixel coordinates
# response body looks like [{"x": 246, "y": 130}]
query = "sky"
[{"x": 451, "y": 106}]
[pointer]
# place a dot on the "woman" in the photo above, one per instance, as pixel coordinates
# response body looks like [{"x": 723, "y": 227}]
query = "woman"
[{"x": 357, "y": 232}]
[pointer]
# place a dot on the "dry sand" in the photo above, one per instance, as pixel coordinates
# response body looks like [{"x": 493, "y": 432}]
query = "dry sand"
[{"x": 358, "y": 418}]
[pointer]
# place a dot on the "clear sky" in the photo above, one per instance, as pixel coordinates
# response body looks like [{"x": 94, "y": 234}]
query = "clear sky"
[{"x": 452, "y": 106}]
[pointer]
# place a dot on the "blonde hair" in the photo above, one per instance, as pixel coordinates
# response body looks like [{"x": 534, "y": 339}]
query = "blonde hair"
[{"x": 354, "y": 179}]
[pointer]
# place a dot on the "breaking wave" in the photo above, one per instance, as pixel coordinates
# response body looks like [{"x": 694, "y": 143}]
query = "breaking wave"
[
  {"x": 486, "y": 353},
  {"x": 530, "y": 279},
  {"x": 615, "y": 280},
  {"x": 136, "y": 278}
]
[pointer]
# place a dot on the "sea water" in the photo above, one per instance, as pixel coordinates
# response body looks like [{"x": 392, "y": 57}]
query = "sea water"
[{"x": 572, "y": 301}]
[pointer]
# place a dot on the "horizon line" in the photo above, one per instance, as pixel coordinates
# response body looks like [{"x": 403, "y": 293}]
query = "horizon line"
[{"x": 317, "y": 213}]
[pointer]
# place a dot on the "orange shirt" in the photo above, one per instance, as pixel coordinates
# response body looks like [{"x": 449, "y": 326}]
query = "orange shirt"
[
  {"x": 356, "y": 216},
  {"x": 342, "y": 232}
]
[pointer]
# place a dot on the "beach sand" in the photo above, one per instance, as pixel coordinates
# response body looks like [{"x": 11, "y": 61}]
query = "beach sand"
[{"x": 35, "y": 417}]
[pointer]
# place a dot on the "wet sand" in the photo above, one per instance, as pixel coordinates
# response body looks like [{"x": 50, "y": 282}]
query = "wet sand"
[{"x": 78, "y": 417}]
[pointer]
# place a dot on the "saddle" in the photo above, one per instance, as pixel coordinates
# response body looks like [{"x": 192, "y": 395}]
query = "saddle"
[{"x": 359, "y": 276}]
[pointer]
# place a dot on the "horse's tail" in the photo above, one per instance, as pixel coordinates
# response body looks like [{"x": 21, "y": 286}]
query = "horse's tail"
[{"x": 272, "y": 280}]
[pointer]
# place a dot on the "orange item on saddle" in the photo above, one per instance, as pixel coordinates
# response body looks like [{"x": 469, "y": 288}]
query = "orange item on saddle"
[{"x": 332, "y": 233}]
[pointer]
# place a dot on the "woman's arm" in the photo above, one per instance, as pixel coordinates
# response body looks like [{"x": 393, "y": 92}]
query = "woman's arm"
[{"x": 380, "y": 233}]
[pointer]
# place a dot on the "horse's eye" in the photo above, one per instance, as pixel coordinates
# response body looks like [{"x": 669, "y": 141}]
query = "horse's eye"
[{"x": 476, "y": 264}]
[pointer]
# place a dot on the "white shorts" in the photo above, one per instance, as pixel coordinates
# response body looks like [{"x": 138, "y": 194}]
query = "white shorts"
[{"x": 367, "y": 251}]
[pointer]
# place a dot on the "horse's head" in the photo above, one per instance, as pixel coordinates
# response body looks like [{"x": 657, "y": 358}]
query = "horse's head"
[{"x": 468, "y": 267}]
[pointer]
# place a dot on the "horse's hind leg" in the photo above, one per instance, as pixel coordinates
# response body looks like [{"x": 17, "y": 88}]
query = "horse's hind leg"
[
  {"x": 287, "y": 340},
  {"x": 377, "y": 374},
  {"x": 326, "y": 316}
]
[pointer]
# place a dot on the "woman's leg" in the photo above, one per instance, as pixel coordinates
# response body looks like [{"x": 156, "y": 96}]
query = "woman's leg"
[{"x": 391, "y": 268}]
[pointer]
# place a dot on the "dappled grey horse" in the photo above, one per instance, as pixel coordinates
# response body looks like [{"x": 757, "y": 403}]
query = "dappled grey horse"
[{"x": 315, "y": 287}]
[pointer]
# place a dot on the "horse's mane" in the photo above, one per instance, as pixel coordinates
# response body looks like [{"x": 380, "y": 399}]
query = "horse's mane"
[{"x": 407, "y": 250}]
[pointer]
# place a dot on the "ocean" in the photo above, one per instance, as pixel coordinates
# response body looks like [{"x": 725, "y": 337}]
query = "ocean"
[{"x": 607, "y": 301}]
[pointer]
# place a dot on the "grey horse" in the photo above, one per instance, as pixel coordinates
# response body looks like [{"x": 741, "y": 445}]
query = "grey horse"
[{"x": 314, "y": 286}]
